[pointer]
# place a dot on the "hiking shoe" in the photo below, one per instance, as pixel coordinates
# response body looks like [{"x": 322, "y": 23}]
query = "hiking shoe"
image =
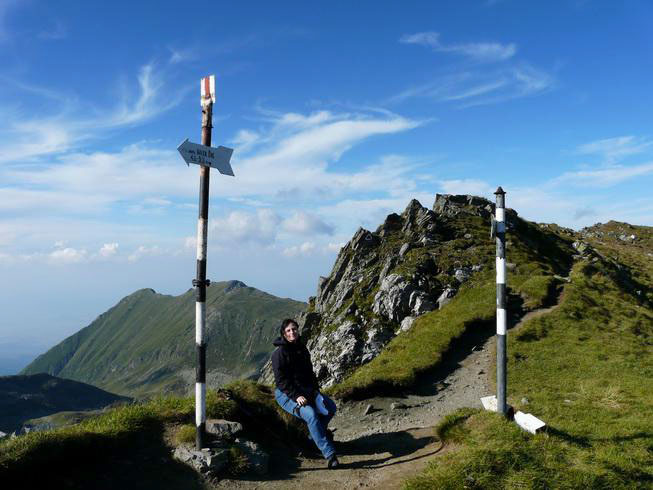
[{"x": 333, "y": 462}]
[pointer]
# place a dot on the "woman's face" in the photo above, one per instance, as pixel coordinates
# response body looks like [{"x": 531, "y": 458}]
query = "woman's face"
[{"x": 291, "y": 332}]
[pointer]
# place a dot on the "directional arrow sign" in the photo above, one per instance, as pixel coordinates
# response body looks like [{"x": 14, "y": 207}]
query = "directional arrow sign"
[{"x": 207, "y": 155}]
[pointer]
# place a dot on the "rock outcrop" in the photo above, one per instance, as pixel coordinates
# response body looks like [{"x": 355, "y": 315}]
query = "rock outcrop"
[{"x": 383, "y": 280}]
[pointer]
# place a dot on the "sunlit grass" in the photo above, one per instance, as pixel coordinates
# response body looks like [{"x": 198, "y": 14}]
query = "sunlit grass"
[{"x": 586, "y": 369}]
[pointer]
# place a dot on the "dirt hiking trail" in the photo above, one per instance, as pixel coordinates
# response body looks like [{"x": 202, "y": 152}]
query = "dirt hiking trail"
[{"x": 381, "y": 446}]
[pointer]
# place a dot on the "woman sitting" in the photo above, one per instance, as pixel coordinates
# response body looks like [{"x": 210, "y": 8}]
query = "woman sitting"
[{"x": 297, "y": 391}]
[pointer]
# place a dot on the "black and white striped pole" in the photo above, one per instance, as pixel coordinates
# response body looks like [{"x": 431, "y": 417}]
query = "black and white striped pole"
[
  {"x": 201, "y": 282},
  {"x": 206, "y": 157},
  {"x": 500, "y": 233}
]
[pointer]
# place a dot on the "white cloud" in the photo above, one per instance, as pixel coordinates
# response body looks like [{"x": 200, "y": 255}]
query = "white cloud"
[
  {"x": 28, "y": 138},
  {"x": 67, "y": 255},
  {"x": 56, "y": 33},
  {"x": 475, "y": 187},
  {"x": 293, "y": 163},
  {"x": 243, "y": 227},
  {"x": 178, "y": 55},
  {"x": 479, "y": 51},
  {"x": 190, "y": 242},
  {"x": 86, "y": 183},
  {"x": 305, "y": 249},
  {"x": 473, "y": 88},
  {"x": 109, "y": 250},
  {"x": 370, "y": 212},
  {"x": 334, "y": 247},
  {"x": 145, "y": 251},
  {"x": 149, "y": 104},
  {"x": 613, "y": 150},
  {"x": 306, "y": 224},
  {"x": 246, "y": 139},
  {"x": 605, "y": 177}
]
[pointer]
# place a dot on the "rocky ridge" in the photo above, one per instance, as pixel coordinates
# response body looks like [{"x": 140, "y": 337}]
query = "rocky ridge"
[{"x": 383, "y": 280}]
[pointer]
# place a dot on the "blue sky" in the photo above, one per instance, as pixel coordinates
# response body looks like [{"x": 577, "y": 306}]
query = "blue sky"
[{"x": 339, "y": 113}]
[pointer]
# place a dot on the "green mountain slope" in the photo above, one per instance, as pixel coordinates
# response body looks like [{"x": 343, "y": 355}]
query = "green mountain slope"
[
  {"x": 146, "y": 343},
  {"x": 38, "y": 395},
  {"x": 586, "y": 369}
]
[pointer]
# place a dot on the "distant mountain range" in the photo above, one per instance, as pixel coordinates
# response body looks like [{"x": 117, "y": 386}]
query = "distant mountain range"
[
  {"x": 38, "y": 395},
  {"x": 145, "y": 345}
]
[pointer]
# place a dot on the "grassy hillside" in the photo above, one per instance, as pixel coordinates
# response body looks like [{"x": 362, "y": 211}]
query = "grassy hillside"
[
  {"x": 130, "y": 446},
  {"x": 38, "y": 395},
  {"x": 587, "y": 370},
  {"x": 146, "y": 343}
]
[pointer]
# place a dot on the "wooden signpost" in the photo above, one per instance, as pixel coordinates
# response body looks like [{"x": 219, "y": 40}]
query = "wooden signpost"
[{"x": 206, "y": 157}]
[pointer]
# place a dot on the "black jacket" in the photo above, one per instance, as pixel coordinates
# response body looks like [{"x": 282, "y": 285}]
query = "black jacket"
[{"x": 293, "y": 370}]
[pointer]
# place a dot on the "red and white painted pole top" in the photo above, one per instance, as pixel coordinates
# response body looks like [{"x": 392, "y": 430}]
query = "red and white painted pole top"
[{"x": 207, "y": 90}]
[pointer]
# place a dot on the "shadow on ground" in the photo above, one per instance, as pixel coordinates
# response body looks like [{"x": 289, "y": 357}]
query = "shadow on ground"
[{"x": 367, "y": 452}]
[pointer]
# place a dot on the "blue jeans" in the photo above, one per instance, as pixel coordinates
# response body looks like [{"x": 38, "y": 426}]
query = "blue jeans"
[{"x": 317, "y": 423}]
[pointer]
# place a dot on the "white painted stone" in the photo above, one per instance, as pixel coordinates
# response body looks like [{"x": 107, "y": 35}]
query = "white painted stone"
[
  {"x": 489, "y": 403},
  {"x": 529, "y": 422}
]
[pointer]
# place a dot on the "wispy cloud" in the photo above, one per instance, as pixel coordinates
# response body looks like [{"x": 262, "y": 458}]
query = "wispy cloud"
[
  {"x": 606, "y": 177},
  {"x": 182, "y": 55},
  {"x": 479, "y": 51},
  {"x": 306, "y": 248},
  {"x": 474, "y": 187},
  {"x": 473, "y": 85},
  {"x": 5, "y": 7},
  {"x": 473, "y": 88},
  {"x": 24, "y": 139},
  {"x": 288, "y": 183},
  {"x": 149, "y": 104},
  {"x": 613, "y": 150},
  {"x": 56, "y": 33}
]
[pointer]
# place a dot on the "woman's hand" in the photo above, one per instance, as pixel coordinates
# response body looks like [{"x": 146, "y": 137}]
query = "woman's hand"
[{"x": 301, "y": 401}]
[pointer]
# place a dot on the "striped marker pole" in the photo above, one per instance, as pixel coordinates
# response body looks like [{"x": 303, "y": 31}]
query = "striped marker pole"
[
  {"x": 500, "y": 217},
  {"x": 201, "y": 282}
]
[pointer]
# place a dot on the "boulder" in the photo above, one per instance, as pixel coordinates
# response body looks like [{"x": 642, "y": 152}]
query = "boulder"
[
  {"x": 461, "y": 275},
  {"x": 391, "y": 224},
  {"x": 377, "y": 337},
  {"x": 404, "y": 249},
  {"x": 445, "y": 297},
  {"x": 420, "y": 303},
  {"x": 451, "y": 205},
  {"x": 407, "y": 323},
  {"x": 392, "y": 299},
  {"x": 223, "y": 429},
  {"x": 208, "y": 460},
  {"x": 389, "y": 263}
]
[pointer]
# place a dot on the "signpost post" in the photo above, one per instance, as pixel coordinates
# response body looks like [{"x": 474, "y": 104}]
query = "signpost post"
[
  {"x": 500, "y": 216},
  {"x": 206, "y": 157}
]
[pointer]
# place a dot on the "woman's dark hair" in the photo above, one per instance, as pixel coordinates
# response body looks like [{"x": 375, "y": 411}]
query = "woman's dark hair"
[{"x": 285, "y": 323}]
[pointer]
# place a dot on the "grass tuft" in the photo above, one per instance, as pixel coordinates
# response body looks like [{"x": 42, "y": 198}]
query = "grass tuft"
[{"x": 185, "y": 434}]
